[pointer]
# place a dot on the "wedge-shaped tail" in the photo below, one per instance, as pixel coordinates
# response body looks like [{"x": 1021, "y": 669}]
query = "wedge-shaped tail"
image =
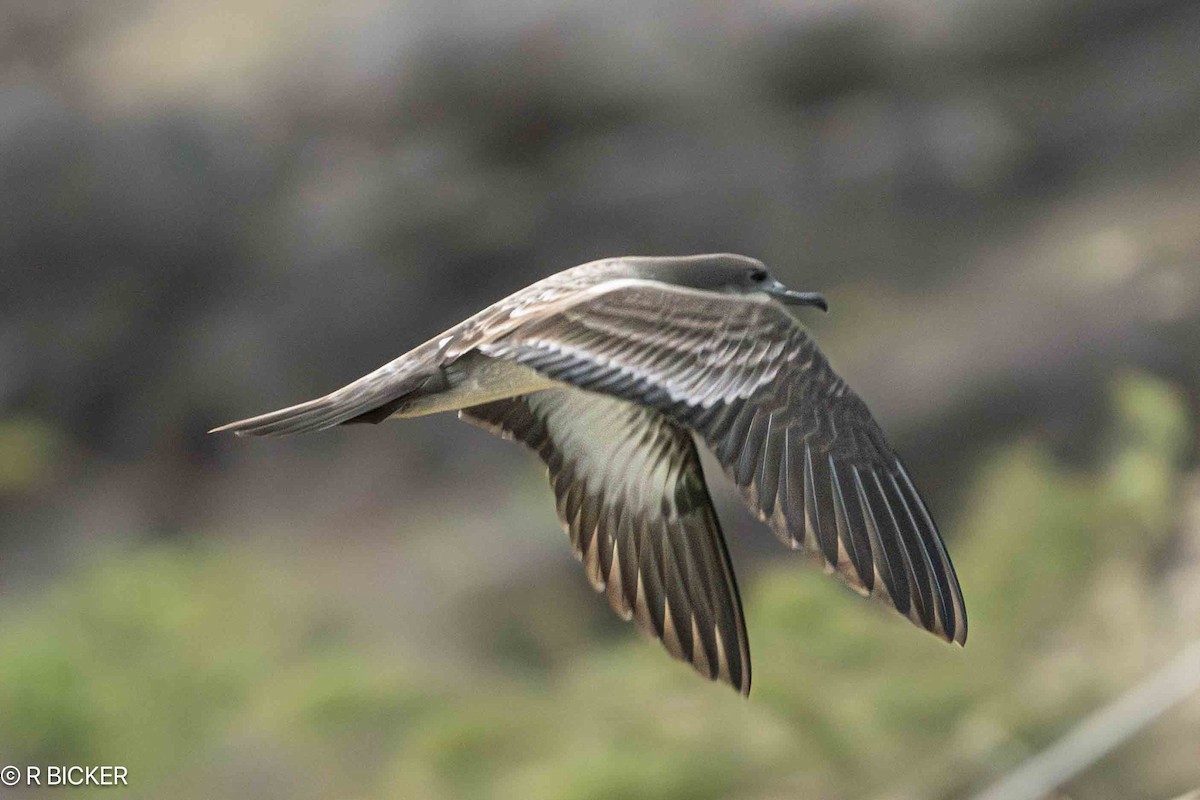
[{"x": 368, "y": 399}]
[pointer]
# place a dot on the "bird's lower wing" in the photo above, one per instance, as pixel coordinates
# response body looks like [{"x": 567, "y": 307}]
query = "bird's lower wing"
[
  {"x": 802, "y": 447},
  {"x": 632, "y": 497}
]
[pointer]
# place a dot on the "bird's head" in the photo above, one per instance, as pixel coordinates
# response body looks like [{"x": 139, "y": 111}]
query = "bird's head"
[{"x": 723, "y": 272}]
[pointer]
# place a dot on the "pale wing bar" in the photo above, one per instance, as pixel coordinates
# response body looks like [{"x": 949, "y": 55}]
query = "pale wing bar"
[
  {"x": 803, "y": 448},
  {"x": 631, "y": 494}
]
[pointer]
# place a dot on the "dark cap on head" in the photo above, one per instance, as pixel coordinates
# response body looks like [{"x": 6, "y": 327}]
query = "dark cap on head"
[{"x": 720, "y": 272}]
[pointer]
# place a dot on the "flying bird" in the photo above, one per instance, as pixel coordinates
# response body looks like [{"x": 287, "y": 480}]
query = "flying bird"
[{"x": 605, "y": 371}]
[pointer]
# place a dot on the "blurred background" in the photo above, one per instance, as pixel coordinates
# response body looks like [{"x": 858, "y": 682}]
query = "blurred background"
[{"x": 212, "y": 209}]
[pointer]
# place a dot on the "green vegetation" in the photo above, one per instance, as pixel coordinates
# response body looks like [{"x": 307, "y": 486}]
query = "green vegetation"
[{"x": 205, "y": 670}]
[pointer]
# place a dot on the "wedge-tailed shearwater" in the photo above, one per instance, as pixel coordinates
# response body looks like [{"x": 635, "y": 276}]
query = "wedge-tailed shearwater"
[{"x": 605, "y": 371}]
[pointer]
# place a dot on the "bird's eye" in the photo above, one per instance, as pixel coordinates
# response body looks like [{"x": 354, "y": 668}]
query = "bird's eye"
[{"x": 758, "y": 275}]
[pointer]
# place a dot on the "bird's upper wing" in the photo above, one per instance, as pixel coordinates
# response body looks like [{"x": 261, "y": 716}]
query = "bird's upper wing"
[
  {"x": 632, "y": 497},
  {"x": 802, "y": 447}
]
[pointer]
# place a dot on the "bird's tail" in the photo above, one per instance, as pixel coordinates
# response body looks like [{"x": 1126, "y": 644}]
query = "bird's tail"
[{"x": 371, "y": 398}]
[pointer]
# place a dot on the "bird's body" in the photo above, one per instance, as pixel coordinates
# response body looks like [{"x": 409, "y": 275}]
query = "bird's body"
[
  {"x": 470, "y": 380},
  {"x": 606, "y": 370}
]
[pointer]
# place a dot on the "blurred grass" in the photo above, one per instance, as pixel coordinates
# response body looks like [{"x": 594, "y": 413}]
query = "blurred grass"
[
  {"x": 29, "y": 449},
  {"x": 205, "y": 669}
]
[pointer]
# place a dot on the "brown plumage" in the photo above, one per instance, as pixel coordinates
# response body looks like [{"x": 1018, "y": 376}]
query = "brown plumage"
[{"x": 603, "y": 369}]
